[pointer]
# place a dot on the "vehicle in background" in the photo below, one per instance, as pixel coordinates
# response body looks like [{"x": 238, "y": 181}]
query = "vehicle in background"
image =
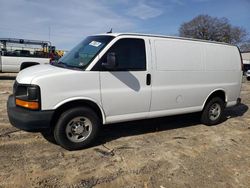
[
  {"x": 17, "y": 54},
  {"x": 248, "y": 74},
  {"x": 246, "y": 65},
  {"x": 247, "y": 71},
  {"x": 112, "y": 78}
]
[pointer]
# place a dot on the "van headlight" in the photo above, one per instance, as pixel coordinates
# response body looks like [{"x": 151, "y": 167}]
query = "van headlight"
[{"x": 27, "y": 96}]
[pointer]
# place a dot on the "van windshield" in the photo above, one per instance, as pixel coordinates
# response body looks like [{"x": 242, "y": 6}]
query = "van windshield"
[{"x": 83, "y": 54}]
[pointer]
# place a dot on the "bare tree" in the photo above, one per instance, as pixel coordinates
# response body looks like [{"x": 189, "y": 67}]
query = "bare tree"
[
  {"x": 212, "y": 28},
  {"x": 245, "y": 47}
]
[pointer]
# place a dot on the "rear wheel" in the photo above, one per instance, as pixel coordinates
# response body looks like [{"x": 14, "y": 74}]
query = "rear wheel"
[
  {"x": 77, "y": 128},
  {"x": 213, "y": 111}
]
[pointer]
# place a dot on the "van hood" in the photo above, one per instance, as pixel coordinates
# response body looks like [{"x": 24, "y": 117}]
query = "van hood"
[{"x": 27, "y": 75}]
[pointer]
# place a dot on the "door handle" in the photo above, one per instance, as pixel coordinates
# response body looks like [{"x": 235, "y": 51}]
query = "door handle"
[{"x": 148, "y": 79}]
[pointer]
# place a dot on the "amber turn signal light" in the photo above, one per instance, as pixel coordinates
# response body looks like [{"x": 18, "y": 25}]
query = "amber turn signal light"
[{"x": 27, "y": 104}]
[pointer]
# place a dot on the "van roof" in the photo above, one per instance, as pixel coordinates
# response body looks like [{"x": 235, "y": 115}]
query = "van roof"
[{"x": 164, "y": 36}]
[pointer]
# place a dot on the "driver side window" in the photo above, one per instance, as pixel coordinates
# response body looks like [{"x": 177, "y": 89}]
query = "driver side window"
[{"x": 129, "y": 53}]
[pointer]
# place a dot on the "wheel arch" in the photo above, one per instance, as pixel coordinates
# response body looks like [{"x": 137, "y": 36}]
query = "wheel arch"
[
  {"x": 61, "y": 107},
  {"x": 216, "y": 93},
  {"x": 27, "y": 64}
]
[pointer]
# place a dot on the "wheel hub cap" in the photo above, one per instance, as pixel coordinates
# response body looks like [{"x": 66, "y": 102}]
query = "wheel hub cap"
[
  {"x": 214, "y": 112},
  {"x": 78, "y": 129}
]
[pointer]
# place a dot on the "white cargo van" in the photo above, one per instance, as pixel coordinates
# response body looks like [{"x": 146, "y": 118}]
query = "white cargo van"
[{"x": 113, "y": 78}]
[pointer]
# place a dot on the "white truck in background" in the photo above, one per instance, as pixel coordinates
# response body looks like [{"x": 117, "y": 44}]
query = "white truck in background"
[{"x": 17, "y": 54}]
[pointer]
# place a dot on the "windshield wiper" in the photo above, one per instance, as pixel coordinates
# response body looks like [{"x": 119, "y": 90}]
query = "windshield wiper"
[
  {"x": 61, "y": 63},
  {"x": 67, "y": 65}
]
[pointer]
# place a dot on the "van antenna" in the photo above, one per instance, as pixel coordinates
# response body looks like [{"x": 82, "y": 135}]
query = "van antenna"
[{"x": 110, "y": 31}]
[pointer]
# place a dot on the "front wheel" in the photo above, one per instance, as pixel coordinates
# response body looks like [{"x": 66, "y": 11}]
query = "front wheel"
[
  {"x": 213, "y": 111},
  {"x": 77, "y": 128}
]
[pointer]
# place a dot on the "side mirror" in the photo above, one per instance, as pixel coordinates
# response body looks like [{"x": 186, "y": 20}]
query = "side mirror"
[{"x": 111, "y": 61}]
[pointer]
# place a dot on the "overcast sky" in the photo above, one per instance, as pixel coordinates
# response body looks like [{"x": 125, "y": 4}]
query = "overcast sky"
[{"x": 66, "y": 22}]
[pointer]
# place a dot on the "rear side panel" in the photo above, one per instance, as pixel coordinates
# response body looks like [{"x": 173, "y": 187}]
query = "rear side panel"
[
  {"x": 223, "y": 67},
  {"x": 187, "y": 72}
]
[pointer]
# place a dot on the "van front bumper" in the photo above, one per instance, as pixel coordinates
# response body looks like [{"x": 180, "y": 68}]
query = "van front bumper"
[{"x": 28, "y": 120}]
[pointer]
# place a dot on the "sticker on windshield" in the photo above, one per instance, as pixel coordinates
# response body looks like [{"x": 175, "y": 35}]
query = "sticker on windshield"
[{"x": 95, "y": 43}]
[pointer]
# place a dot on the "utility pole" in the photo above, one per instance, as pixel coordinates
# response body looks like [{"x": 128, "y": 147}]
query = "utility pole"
[{"x": 49, "y": 32}]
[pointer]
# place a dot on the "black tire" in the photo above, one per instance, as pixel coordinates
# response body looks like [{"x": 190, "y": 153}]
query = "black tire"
[
  {"x": 207, "y": 117},
  {"x": 67, "y": 122},
  {"x": 48, "y": 134},
  {"x": 248, "y": 78}
]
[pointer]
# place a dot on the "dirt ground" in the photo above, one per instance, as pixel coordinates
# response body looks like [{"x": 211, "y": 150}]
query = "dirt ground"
[{"x": 164, "y": 152}]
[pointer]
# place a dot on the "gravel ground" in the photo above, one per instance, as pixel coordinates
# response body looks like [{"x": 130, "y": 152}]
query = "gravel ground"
[{"x": 164, "y": 152}]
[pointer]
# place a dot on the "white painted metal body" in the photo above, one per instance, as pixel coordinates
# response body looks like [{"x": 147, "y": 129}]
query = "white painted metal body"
[
  {"x": 13, "y": 64},
  {"x": 184, "y": 74}
]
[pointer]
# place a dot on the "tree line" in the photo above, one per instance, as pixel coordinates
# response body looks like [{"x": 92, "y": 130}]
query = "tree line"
[{"x": 215, "y": 29}]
